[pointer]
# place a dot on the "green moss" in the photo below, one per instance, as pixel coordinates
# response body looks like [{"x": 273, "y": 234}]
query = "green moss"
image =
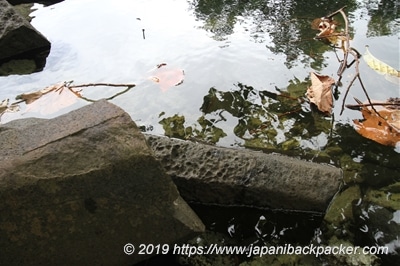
[
  {"x": 341, "y": 210},
  {"x": 393, "y": 188},
  {"x": 290, "y": 144},
  {"x": 21, "y": 67},
  {"x": 351, "y": 170},
  {"x": 383, "y": 198}
]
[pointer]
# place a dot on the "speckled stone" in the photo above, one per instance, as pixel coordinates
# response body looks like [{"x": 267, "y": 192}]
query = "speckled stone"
[
  {"x": 75, "y": 189},
  {"x": 216, "y": 175}
]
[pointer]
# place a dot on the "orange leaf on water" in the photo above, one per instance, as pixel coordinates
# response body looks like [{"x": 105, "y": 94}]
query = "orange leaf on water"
[
  {"x": 383, "y": 128},
  {"x": 167, "y": 76}
]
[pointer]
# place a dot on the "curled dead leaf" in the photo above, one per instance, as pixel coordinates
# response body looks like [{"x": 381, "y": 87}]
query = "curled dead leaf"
[
  {"x": 6, "y": 107},
  {"x": 327, "y": 30},
  {"x": 325, "y": 25},
  {"x": 382, "y": 127},
  {"x": 320, "y": 92},
  {"x": 30, "y": 97}
]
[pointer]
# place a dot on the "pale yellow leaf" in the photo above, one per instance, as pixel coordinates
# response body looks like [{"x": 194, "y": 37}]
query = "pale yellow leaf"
[{"x": 379, "y": 66}]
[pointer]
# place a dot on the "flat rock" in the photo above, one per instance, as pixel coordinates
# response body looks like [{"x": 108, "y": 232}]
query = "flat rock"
[
  {"x": 75, "y": 189},
  {"x": 216, "y": 175}
]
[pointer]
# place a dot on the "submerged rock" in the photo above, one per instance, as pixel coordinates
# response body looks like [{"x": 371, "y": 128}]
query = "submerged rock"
[
  {"x": 215, "y": 175},
  {"x": 378, "y": 218},
  {"x": 75, "y": 189}
]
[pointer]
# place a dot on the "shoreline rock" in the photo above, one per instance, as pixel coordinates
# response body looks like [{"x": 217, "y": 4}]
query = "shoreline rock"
[
  {"x": 19, "y": 40},
  {"x": 88, "y": 182},
  {"x": 216, "y": 175},
  {"x": 75, "y": 189}
]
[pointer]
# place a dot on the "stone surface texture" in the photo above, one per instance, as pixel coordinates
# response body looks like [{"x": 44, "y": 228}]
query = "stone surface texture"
[
  {"x": 215, "y": 175},
  {"x": 17, "y": 36},
  {"x": 75, "y": 189}
]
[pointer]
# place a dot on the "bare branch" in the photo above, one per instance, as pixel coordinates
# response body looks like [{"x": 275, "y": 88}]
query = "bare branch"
[{"x": 102, "y": 84}]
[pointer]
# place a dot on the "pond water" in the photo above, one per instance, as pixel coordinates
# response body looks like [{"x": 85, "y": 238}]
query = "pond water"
[{"x": 238, "y": 57}]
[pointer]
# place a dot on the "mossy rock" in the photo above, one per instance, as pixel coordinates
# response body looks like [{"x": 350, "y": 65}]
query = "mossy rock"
[
  {"x": 21, "y": 67},
  {"x": 393, "y": 188},
  {"x": 383, "y": 198},
  {"x": 341, "y": 210},
  {"x": 290, "y": 144},
  {"x": 351, "y": 170}
]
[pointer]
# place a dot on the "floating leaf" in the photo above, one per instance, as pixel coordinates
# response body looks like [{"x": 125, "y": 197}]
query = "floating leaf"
[
  {"x": 167, "y": 76},
  {"x": 30, "y": 97},
  {"x": 5, "y": 107},
  {"x": 320, "y": 92},
  {"x": 53, "y": 101},
  {"x": 379, "y": 66},
  {"x": 327, "y": 30},
  {"x": 382, "y": 127},
  {"x": 325, "y": 25}
]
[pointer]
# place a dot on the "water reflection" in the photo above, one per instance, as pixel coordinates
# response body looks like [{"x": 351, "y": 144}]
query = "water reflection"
[
  {"x": 284, "y": 26},
  {"x": 384, "y": 17}
]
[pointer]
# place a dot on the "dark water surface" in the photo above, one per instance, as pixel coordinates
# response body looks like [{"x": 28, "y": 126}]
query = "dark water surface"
[{"x": 237, "y": 57}]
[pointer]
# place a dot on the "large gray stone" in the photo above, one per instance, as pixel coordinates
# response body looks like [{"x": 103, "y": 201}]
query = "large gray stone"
[
  {"x": 75, "y": 189},
  {"x": 215, "y": 175},
  {"x": 17, "y": 36}
]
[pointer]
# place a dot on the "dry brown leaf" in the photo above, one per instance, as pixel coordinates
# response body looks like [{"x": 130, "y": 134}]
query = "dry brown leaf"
[
  {"x": 5, "y": 107},
  {"x": 320, "y": 92},
  {"x": 383, "y": 128},
  {"x": 53, "y": 101},
  {"x": 327, "y": 29},
  {"x": 30, "y": 97}
]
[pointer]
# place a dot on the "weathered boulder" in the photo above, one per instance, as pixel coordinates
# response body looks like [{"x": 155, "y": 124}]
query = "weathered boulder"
[
  {"x": 75, "y": 189},
  {"x": 18, "y": 39},
  {"x": 216, "y": 175}
]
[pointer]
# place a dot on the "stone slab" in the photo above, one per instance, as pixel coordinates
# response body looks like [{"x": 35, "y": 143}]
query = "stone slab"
[
  {"x": 75, "y": 189},
  {"x": 216, "y": 175}
]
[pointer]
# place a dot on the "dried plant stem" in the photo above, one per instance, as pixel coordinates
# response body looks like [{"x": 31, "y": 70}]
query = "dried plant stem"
[
  {"x": 71, "y": 87},
  {"x": 347, "y": 49},
  {"x": 102, "y": 84},
  {"x": 353, "y": 106}
]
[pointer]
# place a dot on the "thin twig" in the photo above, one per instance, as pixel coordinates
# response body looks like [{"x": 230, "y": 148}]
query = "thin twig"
[
  {"x": 102, "y": 84},
  {"x": 356, "y": 106},
  {"x": 129, "y": 86}
]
